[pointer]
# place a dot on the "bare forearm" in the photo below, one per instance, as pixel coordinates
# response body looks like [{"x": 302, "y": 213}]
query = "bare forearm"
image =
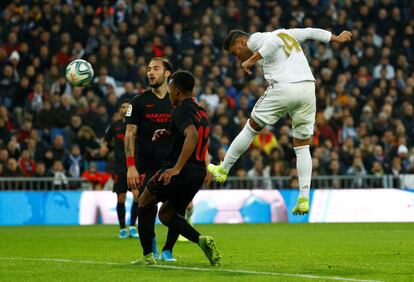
[
  {"x": 334, "y": 38},
  {"x": 254, "y": 58},
  {"x": 345, "y": 36},
  {"x": 129, "y": 141},
  {"x": 189, "y": 146}
]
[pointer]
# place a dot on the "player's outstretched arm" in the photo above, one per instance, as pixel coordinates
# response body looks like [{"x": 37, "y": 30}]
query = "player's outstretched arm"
[
  {"x": 190, "y": 143},
  {"x": 309, "y": 33},
  {"x": 132, "y": 174},
  {"x": 344, "y": 37}
]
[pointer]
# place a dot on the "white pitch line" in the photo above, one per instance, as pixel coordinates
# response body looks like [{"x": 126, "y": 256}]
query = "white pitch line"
[
  {"x": 239, "y": 271},
  {"x": 263, "y": 273}
]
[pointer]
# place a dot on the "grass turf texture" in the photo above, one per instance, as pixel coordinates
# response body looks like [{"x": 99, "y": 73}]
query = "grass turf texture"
[{"x": 359, "y": 251}]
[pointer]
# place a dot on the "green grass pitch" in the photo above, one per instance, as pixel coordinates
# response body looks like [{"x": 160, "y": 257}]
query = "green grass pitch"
[{"x": 271, "y": 252}]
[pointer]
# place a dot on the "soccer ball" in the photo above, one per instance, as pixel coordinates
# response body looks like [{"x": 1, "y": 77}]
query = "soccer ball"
[{"x": 79, "y": 73}]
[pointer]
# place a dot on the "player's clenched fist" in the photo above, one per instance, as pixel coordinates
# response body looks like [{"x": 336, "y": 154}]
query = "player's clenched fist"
[
  {"x": 345, "y": 36},
  {"x": 246, "y": 67}
]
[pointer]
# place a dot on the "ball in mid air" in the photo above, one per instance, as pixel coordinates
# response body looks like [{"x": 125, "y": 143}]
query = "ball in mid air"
[{"x": 79, "y": 73}]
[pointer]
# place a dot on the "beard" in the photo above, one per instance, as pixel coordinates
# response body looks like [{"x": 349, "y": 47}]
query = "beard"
[{"x": 157, "y": 83}]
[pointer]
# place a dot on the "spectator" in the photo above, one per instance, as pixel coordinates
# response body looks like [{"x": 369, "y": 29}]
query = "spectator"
[
  {"x": 45, "y": 118},
  {"x": 4, "y": 156},
  {"x": 88, "y": 143},
  {"x": 378, "y": 171},
  {"x": 8, "y": 84},
  {"x": 60, "y": 181},
  {"x": 58, "y": 149},
  {"x": 27, "y": 164},
  {"x": 262, "y": 173},
  {"x": 358, "y": 171},
  {"x": 335, "y": 169},
  {"x": 278, "y": 170},
  {"x": 36, "y": 98},
  {"x": 96, "y": 178},
  {"x": 265, "y": 140},
  {"x": 384, "y": 70},
  {"x": 64, "y": 112},
  {"x": 60, "y": 87},
  {"x": 407, "y": 164},
  {"x": 364, "y": 90},
  {"x": 72, "y": 130},
  {"x": 74, "y": 163},
  {"x": 5, "y": 134},
  {"x": 41, "y": 170},
  {"x": 14, "y": 148},
  {"x": 24, "y": 132},
  {"x": 12, "y": 169}
]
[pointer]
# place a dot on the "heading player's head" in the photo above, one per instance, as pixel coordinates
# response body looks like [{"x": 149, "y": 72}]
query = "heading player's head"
[
  {"x": 158, "y": 71},
  {"x": 123, "y": 107},
  {"x": 236, "y": 43},
  {"x": 181, "y": 86}
]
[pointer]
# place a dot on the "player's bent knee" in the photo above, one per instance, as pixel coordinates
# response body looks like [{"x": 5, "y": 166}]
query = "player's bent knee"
[
  {"x": 164, "y": 218},
  {"x": 298, "y": 142},
  {"x": 254, "y": 126},
  {"x": 135, "y": 195},
  {"x": 146, "y": 199},
  {"x": 166, "y": 213},
  {"x": 121, "y": 198}
]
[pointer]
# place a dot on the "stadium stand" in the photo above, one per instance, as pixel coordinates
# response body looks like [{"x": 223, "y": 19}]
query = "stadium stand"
[{"x": 365, "y": 118}]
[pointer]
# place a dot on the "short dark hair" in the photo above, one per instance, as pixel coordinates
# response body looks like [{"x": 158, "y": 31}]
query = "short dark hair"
[
  {"x": 232, "y": 36},
  {"x": 167, "y": 64},
  {"x": 123, "y": 101},
  {"x": 184, "y": 80}
]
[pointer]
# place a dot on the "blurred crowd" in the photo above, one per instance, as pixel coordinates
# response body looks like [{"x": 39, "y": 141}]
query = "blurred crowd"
[{"x": 365, "y": 115}]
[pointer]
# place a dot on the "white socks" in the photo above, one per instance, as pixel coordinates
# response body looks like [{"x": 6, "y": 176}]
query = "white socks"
[
  {"x": 304, "y": 167},
  {"x": 239, "y": 145}
]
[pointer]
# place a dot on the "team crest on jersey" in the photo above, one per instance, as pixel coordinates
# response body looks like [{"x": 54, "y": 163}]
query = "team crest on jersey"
[{"x": 129, "y": 111}]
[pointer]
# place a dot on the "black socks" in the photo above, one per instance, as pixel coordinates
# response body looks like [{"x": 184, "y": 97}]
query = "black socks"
[
  {"x": 134, "y": 214},
  {"x": 146, "y": 221},
  {"x": 180, "y": 225},
  {"x": 172, "y": 236},
  {"x": 120, "y": 210}
]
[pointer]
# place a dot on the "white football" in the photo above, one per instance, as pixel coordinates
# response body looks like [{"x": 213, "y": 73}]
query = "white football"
[{"x": 79, "y": 73}]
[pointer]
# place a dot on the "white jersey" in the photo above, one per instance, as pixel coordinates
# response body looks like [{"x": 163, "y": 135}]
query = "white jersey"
[{"x": 283, "y": 58}]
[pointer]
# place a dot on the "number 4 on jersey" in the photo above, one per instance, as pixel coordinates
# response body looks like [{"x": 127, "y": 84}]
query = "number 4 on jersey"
[{"x": 289, "y": 43}]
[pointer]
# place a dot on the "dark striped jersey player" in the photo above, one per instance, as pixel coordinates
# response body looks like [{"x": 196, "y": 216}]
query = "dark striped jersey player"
[
  {"x": 183, "y": 172},
  {"x": 114, "y": 139}
]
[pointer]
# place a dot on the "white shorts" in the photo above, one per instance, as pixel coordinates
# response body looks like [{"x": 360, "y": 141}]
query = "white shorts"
[{"x": 296, "y": 99}]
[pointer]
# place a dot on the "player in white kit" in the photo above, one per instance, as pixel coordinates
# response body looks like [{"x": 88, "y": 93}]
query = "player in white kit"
[{"x": 291, "y": 91}]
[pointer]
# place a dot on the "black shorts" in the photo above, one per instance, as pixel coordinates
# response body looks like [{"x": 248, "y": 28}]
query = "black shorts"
[
  {"x": 144, "y": 176},
  {"x": 182, "y": 188},
  {"x": 120, "y": 182}
]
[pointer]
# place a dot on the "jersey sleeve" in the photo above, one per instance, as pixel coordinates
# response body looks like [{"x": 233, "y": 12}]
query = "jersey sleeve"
[
  {"x": 132, "y": 115},
  {"x": 303, "y": 34},
  {"x": 109, "y": 133},
  {"x": 182, "y": 119},
  {"x": 266, "y": 43},
  {"x": 270, "y": 46},
  {"x": 254, "y": 43}
]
